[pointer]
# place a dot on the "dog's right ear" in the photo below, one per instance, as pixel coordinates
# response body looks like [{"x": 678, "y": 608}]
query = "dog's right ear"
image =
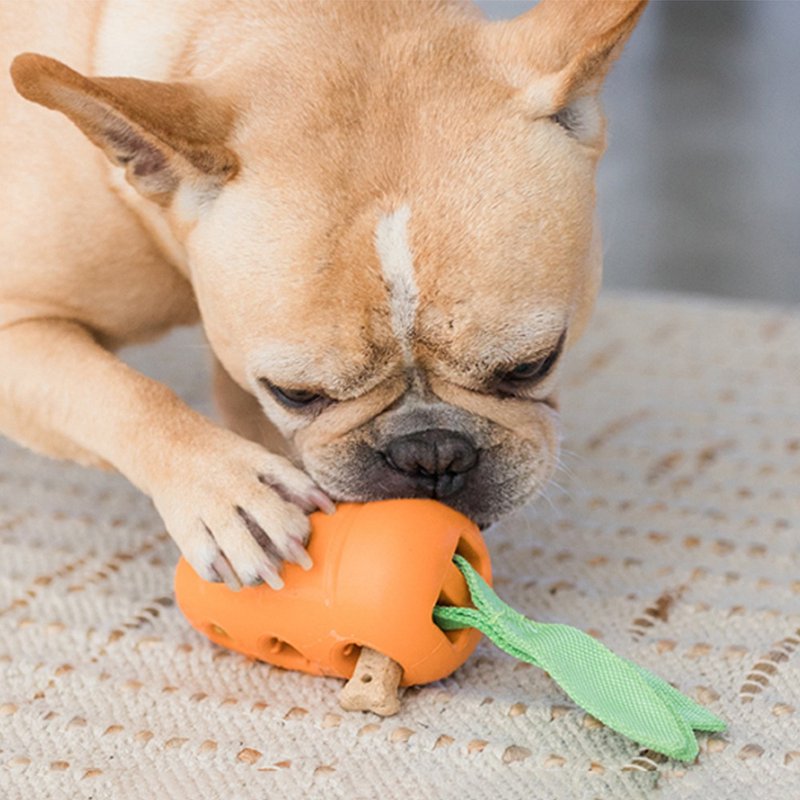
[
  {"x": 164, "y": 134},
  {"x": 559, "y": 52}
]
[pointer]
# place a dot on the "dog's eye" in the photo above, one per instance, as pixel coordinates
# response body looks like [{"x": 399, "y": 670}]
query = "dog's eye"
[
  {"x": 293, "y": 398},
  {"x": 581, "y": 119},
  {"x": 568, "y": 118},
  {"x": 530, "y": 371}
]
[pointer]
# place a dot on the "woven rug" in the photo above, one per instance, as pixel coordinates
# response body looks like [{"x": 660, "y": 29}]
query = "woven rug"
[{"x": 672, "y": 536}]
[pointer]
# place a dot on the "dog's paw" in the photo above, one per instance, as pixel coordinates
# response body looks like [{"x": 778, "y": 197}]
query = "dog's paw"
[{"x": 237, "y": 511}]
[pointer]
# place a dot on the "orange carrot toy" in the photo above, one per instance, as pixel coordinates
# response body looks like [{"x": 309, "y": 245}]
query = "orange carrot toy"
[
  {"x": 399, "y": 593},
  {"x": 379, "y": 570}
]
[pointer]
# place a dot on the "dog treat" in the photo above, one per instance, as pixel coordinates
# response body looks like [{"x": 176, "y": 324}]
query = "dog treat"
[{"x": 373, "y": 686}]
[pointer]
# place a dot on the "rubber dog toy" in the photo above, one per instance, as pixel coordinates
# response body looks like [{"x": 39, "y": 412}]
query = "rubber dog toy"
[
  {"x": 397, "y": 595},
  {"x": 379, "y": 569}
]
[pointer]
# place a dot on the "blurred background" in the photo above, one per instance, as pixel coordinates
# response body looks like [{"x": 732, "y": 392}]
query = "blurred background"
[{"x": 699, "y": 190}]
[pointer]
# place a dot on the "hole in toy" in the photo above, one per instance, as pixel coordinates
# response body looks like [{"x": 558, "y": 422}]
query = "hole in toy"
[
  {"x": 454, "y": 591},
  {"x": 456, "y": 636},
  {"x": 281, "y": 653},
  {"x": 465, "y": 549},
  {"x": 366, "y": 679},
  {"x": 344, "y": 657},
  {"x": 217, "y": 631}
]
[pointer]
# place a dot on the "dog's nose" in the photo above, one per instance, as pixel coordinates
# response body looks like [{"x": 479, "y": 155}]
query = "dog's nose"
[{"x": 436, "y": 459}]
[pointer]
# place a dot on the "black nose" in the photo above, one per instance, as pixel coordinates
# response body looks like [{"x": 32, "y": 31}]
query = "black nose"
[{"x": 435, "y": 459}]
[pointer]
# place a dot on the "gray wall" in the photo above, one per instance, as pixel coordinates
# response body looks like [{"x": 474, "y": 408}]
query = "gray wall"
[{"x": 700, "y": 187}]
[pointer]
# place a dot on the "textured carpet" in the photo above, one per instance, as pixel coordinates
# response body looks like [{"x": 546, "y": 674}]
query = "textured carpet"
[{"x": 672, "y": 536}]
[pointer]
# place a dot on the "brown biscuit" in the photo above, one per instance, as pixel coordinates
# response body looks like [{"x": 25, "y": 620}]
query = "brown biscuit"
[{"x": 373, "y": 686}]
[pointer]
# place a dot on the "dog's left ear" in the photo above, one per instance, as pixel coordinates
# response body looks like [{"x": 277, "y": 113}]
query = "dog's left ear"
[
  {"x": 559, "y": 52},
  {"x": 164, "y": 134}
]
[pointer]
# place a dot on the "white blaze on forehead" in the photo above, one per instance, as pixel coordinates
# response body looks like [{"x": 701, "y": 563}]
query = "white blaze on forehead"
[{"x": 397, "y": 263}]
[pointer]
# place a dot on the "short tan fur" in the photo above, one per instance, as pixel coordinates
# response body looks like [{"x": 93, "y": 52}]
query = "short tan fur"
[{"x": 381, "y": 212}]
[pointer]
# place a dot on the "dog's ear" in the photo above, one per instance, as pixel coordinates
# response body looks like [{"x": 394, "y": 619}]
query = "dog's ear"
[
  {"x": 560, "y": 51},
  {"x": 164, "y": 134}
]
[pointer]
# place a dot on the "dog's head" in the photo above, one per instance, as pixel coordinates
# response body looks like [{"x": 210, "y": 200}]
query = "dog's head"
[{"x": 388, "y": 219}]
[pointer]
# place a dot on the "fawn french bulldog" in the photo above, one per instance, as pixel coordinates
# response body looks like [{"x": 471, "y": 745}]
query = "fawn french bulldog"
[{"x": 382, "y": 213}]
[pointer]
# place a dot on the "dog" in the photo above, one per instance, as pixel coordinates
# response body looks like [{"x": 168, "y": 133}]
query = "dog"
[{"x": 382, "y": 213}]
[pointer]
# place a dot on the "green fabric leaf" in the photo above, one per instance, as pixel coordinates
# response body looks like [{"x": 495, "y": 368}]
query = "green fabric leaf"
[{"x": 622, "y": 695}]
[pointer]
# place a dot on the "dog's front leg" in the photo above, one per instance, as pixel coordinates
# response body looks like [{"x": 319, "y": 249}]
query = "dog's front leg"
[{"x": 234, "y": 509}]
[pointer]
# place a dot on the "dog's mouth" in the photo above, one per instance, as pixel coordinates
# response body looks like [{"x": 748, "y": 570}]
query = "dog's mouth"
[
  {"x": 484, "y": 485},
  {"x": 482, "y": 467}
]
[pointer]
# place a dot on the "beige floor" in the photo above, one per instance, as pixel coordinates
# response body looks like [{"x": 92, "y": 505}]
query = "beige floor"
[{"x": 672, "y": 535}]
